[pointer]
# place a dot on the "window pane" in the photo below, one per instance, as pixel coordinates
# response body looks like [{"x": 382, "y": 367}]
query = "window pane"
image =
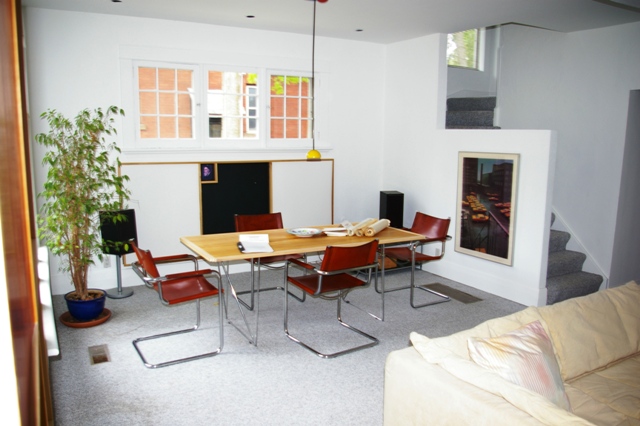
[
  {"x": 184, "y": 105},
  {"x": 167, "y": 79},
  {"x": 305, "y": 110},
  {"x": 167, "y": 127},
  {"x": 293, "y": 86},
  {"x": 306, "y": 129},
  {"x": 231, "y": 127},
  {"x": 231, "y": 99},
  {"x": 277, "y": 85},
  {"x": 292, "y": 107},
  {"x": 293, "y": 129},
  {"x": 215, "y": 127},
  {"x": 146, "y": 78},
  {"x": 148, "y": 103},
  {"x": 306, "y": 87},
  {"x": 167, "y": 103},
  {"x": 462, "y": 49},
  {"x": 277, "y": 129},
  {"x": 277, "y": 107},
  {"x": 232, "y": 105},
  {"x": 290, "y": 99},
  {"x": 148, "y": 127},
  {"x": 163, "y": 94},
  {"x": 185, "y": 128},
  {"x": 184, "y": 80}
]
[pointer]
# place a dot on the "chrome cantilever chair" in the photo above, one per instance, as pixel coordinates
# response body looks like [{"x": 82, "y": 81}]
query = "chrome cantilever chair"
[
  {"x": 332, "y": 281},
  {"x": 435, "y": 231},
  {"x": 261, "y": 222},
  {"x": 178, "y": 288}
]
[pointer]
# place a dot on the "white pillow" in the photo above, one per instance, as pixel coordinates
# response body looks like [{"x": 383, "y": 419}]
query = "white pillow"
[{"x": 525, "y": 357}]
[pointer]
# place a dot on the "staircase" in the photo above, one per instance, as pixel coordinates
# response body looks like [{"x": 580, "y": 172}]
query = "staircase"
[
  {"x": 471, "y": 113},
  {"x": 565, "y": 277}
]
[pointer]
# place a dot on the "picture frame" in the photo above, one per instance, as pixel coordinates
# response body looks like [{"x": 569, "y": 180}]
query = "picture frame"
[
  {"x": 209, "y": 172},
  {"x": 486, "y": 205}
]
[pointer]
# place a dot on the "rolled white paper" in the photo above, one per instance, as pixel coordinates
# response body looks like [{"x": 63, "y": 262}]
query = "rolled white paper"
[
  {"x": 360, "y": 228},
  {"x": 374, "y": 228}
]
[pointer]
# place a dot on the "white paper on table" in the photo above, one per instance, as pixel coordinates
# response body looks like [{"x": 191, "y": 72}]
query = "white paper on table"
[
  {"x": 254, "y": 243},
  {"x": 336, "y": 232}
]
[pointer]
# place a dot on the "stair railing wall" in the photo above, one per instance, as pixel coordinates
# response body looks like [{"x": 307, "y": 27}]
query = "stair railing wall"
[{"x": 590, "y": 264}]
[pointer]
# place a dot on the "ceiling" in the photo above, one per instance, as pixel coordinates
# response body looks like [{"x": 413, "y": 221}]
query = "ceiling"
[{"x": 380, "y": 21}]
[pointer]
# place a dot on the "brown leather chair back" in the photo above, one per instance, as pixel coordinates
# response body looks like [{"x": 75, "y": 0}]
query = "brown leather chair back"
[
  {"x": 258, "y": 222},
  {"x": 429, "y": 226}
]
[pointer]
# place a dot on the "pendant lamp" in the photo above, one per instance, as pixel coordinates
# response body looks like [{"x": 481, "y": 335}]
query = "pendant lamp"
[{"x": 314, "y": 155}]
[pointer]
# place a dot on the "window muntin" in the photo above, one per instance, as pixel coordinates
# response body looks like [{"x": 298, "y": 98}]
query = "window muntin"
[
  {"x": 232, "y": 104},
  {"x": 165, "y": 103},
  {"x": 290, "y": 106},
  {"x": 463, "y": 49}
]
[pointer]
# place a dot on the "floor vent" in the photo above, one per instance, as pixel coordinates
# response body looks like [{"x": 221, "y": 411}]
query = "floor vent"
[{"x": 99, "y": 354}]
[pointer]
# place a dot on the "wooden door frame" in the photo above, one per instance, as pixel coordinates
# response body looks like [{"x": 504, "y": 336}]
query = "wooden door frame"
[{"x": 18, "y": 227}]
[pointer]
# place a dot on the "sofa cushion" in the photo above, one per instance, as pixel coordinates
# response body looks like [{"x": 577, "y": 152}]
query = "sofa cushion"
[
  {"x": 609, "y": 396},
  {"x": 457, "y": 343},
  {"x": 593, "y": 331},
  {"x": 520, "y": 397},
  {"x": 525, "y": 357}
]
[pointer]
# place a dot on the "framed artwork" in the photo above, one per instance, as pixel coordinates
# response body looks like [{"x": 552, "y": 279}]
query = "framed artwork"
[
  {"x": 486, "y": 211},
  {"x": 209, "y": 173}
]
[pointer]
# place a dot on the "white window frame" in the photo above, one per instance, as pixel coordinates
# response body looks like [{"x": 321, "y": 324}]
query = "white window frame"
[
  {"x": 285, "y": 143},
  {"x": 201, "y": 62},
  {"x": 163, "y": 143}
]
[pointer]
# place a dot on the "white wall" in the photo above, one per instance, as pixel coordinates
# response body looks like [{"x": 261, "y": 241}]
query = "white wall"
[
  {"x": 74, "y": 61},
  {"x": 421, "y": 160},
  {"x": 577, "y": 84},
  {"x": 625, "y": 265}
]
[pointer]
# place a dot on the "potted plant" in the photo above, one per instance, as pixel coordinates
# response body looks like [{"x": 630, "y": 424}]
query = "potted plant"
[{"x": 83, "y": 180}]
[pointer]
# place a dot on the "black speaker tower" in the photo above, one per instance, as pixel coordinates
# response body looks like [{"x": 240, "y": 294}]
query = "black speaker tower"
[
  {"x": 114, "y": 237},
  {"x": 392, "y": 207}
]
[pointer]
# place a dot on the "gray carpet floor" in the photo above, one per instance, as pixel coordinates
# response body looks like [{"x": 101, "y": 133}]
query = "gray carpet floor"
[{"x": 278, "y": 382}]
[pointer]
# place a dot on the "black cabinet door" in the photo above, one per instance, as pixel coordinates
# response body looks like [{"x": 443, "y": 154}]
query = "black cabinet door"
[{"x": 242, "y": 188}]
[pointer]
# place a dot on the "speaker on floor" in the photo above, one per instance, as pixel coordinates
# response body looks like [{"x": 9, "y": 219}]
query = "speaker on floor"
[{"x": 115, "y": 239}]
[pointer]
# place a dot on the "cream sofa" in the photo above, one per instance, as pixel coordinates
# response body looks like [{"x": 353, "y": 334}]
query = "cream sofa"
[{"x": 596, "y": 340}]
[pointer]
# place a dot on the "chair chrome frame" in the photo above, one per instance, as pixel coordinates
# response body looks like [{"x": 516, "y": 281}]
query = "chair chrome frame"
[
  {"x": 257, "y": 264},
  {"x": 157, "y": 283},
  {"x": 276, "y": 219},
  {"x": 413, "y": 265},
  {"x": 338, "y": 295},
  {"x": 412, "y": 248}
]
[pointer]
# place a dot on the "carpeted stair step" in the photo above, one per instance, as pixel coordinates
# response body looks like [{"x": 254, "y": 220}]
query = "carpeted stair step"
[
  {"x": 470, "y": 118},
  {"x": 565, "y": 262},
  {"x": 473, "y": 127},
  {"x": 558, "y": 240},
  {"x": 472, "y": 104},
  {"x": 575, "y": 284}
]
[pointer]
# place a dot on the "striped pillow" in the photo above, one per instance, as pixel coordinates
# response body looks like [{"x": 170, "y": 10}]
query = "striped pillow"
[{"x": 525, "y": 357}]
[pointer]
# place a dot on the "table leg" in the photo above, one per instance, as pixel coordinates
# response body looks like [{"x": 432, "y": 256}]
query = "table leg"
[{"x": 231, "y": 290}]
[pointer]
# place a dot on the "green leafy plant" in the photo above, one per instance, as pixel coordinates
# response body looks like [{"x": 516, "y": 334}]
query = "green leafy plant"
[{"x": 82, "y": 180}]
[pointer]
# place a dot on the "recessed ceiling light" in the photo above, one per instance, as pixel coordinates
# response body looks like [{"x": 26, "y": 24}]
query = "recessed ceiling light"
[
  {"x": 250, "y": 16},
  {"x": 359, "y": 30}
]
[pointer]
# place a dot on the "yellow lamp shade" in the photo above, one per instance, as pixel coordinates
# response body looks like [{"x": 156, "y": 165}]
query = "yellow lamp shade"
[{"x": 313, "y": 155}]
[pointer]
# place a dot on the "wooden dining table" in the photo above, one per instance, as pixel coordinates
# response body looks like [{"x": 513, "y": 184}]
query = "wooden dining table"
[{"x": 221, "y": 249}]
